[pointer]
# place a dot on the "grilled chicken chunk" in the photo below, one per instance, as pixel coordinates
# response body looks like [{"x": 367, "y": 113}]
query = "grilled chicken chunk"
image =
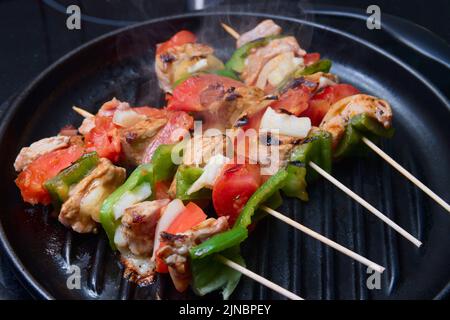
[
  {"x": 263, "y": 29},
  {"x": 271, "y": 152},
  {"x": 231, "y": 105},
  {"x": 342, "y": 111},
  {"x": 258, "y": 57},
  {"x": 134, "y": 239},
  {"x": 179, "y": 61},
  {"x": 135, "y": 139},
  {"x": 175, "y": 252},
  {"x": 39, "y": 148},
  {"x": 201, "y": 148},
  {"x": 81, "y": 211}
]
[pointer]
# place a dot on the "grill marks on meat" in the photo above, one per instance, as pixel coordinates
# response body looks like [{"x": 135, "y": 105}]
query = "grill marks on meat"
[
  {"x": 81, "y": 211},
  {"x": 342, "y": 111},
  {"x": 39, "y": 148},
  {"x": 134, "y": 239},
  {"x": 272, "y": 151},
  {"x": 263, "y": 29},
  {"x": 135, "y": 139},
  {"x": 201, "y": 148},
  {"x": 258, "y": 57},
  {"x": 231, "y": 106},
  {"x": 171, "y": 65},
  {"x": 175, "y": 252}
]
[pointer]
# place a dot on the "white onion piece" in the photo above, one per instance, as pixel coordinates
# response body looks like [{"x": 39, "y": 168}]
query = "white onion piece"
[
  {"x": 173, "y": 209},
  {"x": 119, "y": 238},
  {"x": 199, "y": 65},
  {"x": 127, "y": 118},
  {"x": 325, "y": 82},
  {"x": 276, "y": 69},
  {"x": 288, "y": 125},
  {"x": 210, "y": 173},
  {"x": 284, "y": 70},
  {"x": 129, "y": 198}
]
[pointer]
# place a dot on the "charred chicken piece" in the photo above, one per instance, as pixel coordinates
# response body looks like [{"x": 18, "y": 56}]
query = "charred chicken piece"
[
  {"x": 343, "y": 110},
  {"x": 260, "y": 56},
  {"x": 82, "y": 209},
  {"x": 175, "y": 252},
  {"x": 135, "y": 139},
  {"x": 264, "y": 29},
  {"x": 134, "y": 238},
  {"x": 180, "y": 61},
  {"x": 271, "y": 151},
  {"x": 201, "y": 148}
]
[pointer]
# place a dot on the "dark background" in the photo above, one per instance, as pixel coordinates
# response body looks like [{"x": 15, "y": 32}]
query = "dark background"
[{"x": 34, "y": 35}]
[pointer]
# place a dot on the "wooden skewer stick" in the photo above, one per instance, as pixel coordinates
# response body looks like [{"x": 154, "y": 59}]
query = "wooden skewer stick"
[
  {"x": 231, "y": 31},
  {"x": 258, "y": 278},
  {"x": 406, "y": 173},
  {"x": 325, "y": 240},
  {"x": 82, "y": 112},
  {"x": 365, "y": 204}
]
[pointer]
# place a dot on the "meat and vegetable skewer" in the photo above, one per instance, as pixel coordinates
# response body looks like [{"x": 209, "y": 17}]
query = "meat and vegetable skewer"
[
  {"x": 90, "y": 190},
  {"x": 155, "y": 217},
  {"x": 108, "y": 219},
  {"x": 268, "y": 28},
  {"x": 339, "y": 110}
]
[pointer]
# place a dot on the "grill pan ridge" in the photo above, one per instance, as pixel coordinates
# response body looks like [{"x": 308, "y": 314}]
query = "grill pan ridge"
[{"x": 274, "y": 250}]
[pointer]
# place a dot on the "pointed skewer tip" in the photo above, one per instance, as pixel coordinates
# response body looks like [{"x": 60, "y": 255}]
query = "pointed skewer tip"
[
  {"x": 82, "y": 112},
  {"x": 252, "y": 275},
  {"x": 230, "y": 31},
  {"x": 406, "y": 174},
  {"x": 324, "y": 240},
  {"x": 365, "y": 204}
]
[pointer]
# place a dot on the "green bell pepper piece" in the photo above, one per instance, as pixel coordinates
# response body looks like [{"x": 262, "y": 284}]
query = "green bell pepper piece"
[
  {"x": 323, "y": 65},
  {"x": 273, "y": 184},
  {"x": 228, "y": 73},
  {"x": 184, "y": 179},
  {"x": 237, "y": 60},
  {"x": 219, "y": 242},
  {"x": 316, "y": 148},
  {"x": 209, "y": 274},
  {"x": 275, "y": 201},
  {"x": 59, "y": 186},
  {"x": 163, "y": 166},
  {"x": 239, "y": 231},
  {"x": 295, "y": 185},
  {"x": 359, "y": 126},
  {"x": 142, "y": 174}
]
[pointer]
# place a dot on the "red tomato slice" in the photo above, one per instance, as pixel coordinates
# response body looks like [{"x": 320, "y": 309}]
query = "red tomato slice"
[
  {"x": 235, "y": 185},
  {"x": 294, "y": 100},
  {"x": 104, "y": 139},
  {"x": 198, "y": 92},
  {"x": 31, "y": 180},
  {"x": 178, "y": 39},
  {"x": 189, "y": 218},
  {"x": 179, "y": 123},
  {"x": 321, "y": 102},
  {"x": 311, "y": 58}
]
